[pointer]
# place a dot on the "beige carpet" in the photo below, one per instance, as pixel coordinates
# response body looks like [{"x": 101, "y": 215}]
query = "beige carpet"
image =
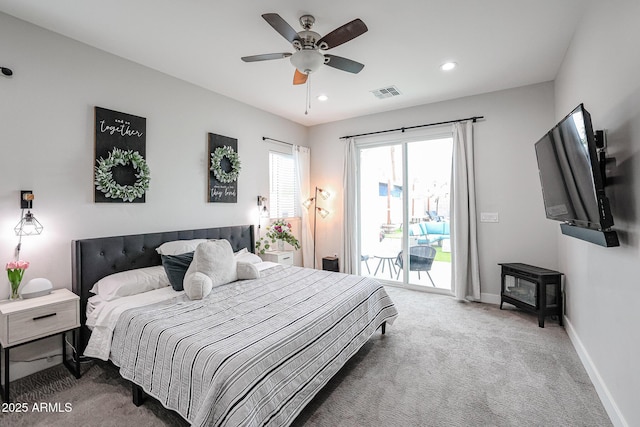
[{"x": 443, "y": 363}]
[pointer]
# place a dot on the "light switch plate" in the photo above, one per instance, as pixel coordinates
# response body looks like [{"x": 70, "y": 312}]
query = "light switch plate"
[{"x": 489, "y": 217}]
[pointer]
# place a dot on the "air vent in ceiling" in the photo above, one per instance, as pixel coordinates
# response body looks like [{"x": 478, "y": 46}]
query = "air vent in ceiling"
[{"x": 386, "y": 92}]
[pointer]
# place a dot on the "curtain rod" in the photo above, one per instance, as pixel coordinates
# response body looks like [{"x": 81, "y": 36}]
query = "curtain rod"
[
  {"x": 414, "y": 127},
  {"x": 264, "y": 138}
]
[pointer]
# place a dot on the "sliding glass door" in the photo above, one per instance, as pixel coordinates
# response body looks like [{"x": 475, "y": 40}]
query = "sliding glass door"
[
  {"x": 381, "y": 210},
  {"x": 403, "y": 190}
]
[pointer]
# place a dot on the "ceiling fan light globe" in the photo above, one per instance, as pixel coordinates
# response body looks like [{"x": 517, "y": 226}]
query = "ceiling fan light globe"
[{"x": 307, "y": 61}]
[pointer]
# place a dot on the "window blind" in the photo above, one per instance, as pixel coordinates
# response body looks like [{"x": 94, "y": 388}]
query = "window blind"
[{"x": 283, "y": 186}]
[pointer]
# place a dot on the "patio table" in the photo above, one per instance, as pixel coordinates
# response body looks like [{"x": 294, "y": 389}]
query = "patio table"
[{"x": 388, "y": 259}]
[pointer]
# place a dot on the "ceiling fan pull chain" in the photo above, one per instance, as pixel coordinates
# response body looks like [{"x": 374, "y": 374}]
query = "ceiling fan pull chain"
[{"x": 308, "y": 106}]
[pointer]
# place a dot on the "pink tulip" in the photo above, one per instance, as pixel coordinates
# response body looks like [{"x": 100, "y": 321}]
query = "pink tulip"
[{"x": 21, "y": 265}]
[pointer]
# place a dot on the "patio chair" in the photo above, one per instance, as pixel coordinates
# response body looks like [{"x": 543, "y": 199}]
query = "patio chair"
[
  {"x": 365, "y": 258},
  {"x": 433, "y": 216},
  {"x": 420, "y": 259}
]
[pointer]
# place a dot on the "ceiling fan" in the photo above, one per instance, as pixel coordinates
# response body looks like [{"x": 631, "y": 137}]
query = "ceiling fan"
[{"x": 307, "y": 57}]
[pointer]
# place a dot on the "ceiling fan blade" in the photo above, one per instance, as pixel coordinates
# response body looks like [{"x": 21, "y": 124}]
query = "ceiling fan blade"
[
  {"x": 344, "y": 64},
  {"x": 281, "y": 26},
  {"x": 265, "y": 57},
  {"x": 299, "y": 78},
  {"x": 343, "y": 34}
]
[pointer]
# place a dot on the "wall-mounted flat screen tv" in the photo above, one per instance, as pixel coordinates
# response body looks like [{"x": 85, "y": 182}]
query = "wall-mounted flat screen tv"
[{"x": 571, "y": 175}]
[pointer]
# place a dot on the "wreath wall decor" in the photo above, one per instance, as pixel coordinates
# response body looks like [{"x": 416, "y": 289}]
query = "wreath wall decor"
[
  {"x": 223, "y": 169},
  {"x": 121, "y": 173},
  {"x": 105, "y": 182},
  {"x": 216, "y": 164}
]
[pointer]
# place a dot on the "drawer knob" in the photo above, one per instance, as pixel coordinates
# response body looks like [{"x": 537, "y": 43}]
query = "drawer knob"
[{"x": 44, "y": 317}]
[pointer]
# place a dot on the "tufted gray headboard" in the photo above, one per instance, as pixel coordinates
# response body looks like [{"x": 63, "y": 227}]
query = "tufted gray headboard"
[{"x": 93, "y": 259}]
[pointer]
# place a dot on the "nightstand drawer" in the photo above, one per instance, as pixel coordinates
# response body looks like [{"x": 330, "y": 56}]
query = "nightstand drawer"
[
  {"x": 281, "y": 257},
  {"x": 286, "y": 259},
  {"x": 42, "y": 321}
]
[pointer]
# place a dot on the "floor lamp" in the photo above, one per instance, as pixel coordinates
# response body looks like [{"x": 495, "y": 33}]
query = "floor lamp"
[{"x": 316, "y": 210}]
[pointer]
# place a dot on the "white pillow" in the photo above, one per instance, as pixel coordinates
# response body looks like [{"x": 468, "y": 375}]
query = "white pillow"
[
  {"x": 197, "y": 285},
  {"x": 213, "y": 264},
  {"x": 247, "y": 271},
  {"x": 178, "y": 247},
  {"x": 131, "y": 282},
  {"x": 247, "y": 257}
]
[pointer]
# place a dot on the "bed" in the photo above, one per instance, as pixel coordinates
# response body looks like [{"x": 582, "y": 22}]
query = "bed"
[{"x": 253, "y": 352}]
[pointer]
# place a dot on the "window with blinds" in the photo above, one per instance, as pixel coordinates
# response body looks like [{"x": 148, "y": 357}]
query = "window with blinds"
[{"x": 284, "y": 201}]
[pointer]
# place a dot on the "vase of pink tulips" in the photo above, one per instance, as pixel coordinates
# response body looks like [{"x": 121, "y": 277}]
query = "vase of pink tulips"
[{"x": 15, "y": 271}]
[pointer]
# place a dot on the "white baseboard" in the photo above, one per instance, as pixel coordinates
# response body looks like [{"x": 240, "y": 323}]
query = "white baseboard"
[
  {"x": 617, "y": 419},
  {"x": 490, "y": 298}
]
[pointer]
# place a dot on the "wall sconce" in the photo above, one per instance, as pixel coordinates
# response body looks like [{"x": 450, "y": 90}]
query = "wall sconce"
[
  {"x": 262, "y": 207},
  {"x": 316, "y": 210},
  {"x": 263, "y": 212},
  {"x": 28, "y": 225}
]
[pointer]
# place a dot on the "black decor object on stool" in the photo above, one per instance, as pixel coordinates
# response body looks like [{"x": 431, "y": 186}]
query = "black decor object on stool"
[{"x": 330, "y": 263}]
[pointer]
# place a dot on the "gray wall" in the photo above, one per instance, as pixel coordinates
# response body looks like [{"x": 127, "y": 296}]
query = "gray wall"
[
  {"x": 602, "y": 70},
  {"x": 506, "y": 173},
  {"x": 47, "y": 145}
]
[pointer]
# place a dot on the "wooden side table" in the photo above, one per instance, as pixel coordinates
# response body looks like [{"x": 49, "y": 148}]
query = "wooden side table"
[{"x": 29, "y": 320}]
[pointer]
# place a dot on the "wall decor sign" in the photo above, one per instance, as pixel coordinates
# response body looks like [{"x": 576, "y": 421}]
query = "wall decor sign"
[
  {"x": 224, "y": 168},
  {"x": 121, "y": 171}
]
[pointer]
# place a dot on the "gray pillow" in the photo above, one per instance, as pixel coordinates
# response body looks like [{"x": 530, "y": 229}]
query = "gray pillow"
[{"x": 176, "y": 266}]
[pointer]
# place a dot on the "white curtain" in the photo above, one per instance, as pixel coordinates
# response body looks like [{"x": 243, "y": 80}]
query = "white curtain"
[
  {"x": 349, "y": 254},
  {"x": 465, "y": 278},
  {"x": 301, "y": 164}
]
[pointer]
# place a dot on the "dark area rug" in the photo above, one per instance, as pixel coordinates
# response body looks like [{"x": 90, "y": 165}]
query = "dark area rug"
[{"x": 99, "y": 398}]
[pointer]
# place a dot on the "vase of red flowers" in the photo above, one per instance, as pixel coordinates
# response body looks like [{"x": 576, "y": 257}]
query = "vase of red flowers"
[{"x": 15, "y": 271}]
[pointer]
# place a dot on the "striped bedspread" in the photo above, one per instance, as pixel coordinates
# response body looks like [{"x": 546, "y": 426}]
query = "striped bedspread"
[{"x": 253, "y": 352}]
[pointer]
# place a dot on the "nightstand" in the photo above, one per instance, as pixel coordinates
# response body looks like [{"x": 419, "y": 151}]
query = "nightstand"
[
  {"x": 281, "y": 257},
  {"x": 27, "y": 320}
]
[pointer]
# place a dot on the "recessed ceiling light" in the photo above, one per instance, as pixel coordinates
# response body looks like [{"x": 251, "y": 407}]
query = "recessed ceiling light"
[
  {"x": 448, "y": 66},
  {"x": 322, "y": 97}
]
